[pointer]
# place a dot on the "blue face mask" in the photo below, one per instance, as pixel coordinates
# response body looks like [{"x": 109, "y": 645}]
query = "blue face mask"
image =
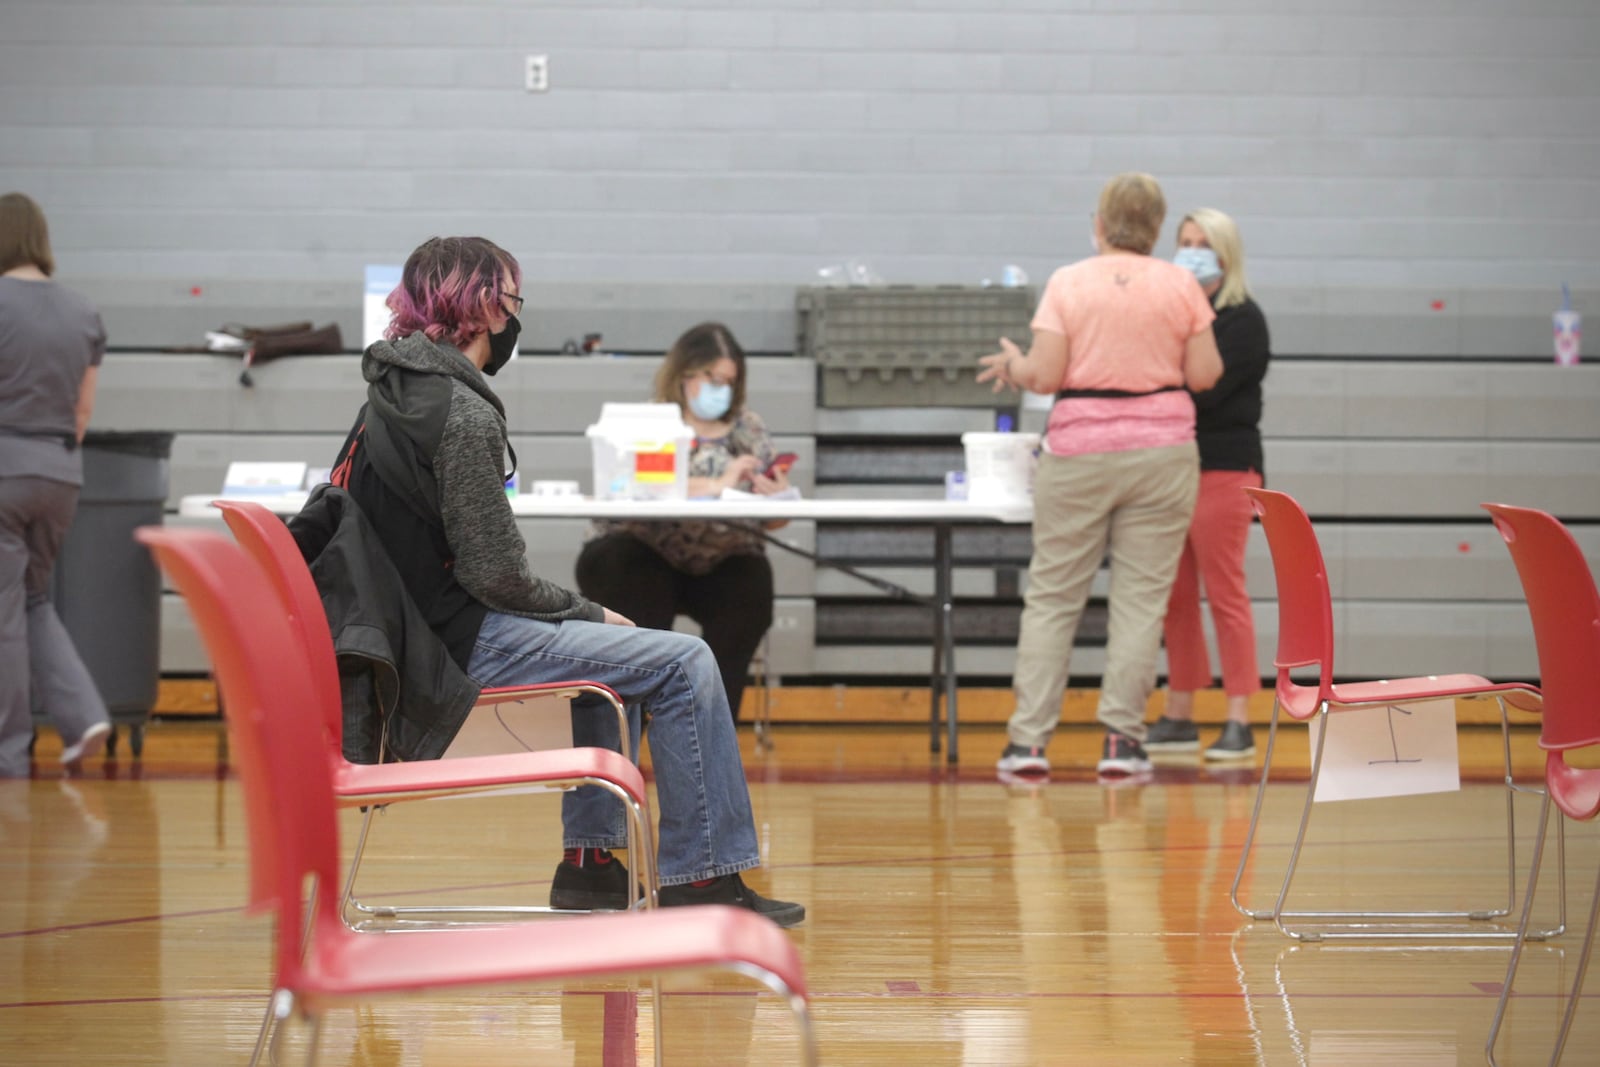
[
  {"x": 712, "y": 401},
  {"x": 1201, "y": 262}
]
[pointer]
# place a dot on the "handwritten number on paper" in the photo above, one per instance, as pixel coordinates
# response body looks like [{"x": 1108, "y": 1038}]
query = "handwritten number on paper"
[
  {"x": 1419, "y": 755},
  {"x": 1394, "y": 742}
]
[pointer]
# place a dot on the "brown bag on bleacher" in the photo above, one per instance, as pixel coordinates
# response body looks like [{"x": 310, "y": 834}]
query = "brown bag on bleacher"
[{"x": 289, "y": 339}]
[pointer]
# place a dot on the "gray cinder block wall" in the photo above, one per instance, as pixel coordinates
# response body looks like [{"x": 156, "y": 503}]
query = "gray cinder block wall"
[{"x": 1413, "y": 177}]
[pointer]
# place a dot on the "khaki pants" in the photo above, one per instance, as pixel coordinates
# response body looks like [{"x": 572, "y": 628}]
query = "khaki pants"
[{"x": 1138, "y": 504}]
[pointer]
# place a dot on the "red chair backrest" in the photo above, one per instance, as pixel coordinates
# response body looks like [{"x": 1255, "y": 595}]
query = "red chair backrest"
[
  {"x": 1565, "y": 608},
  {"x": 268, "y": 541},
  {"x": 1305, "y": 607},
  {"x": 261, "y": 667}
]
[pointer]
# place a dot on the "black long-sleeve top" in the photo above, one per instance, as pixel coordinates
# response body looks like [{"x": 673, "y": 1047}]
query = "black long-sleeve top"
[{"x": 1228, "y": 415}]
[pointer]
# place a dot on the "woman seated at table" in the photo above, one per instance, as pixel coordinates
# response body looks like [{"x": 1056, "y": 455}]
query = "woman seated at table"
[{"x": 716, "y": 573}]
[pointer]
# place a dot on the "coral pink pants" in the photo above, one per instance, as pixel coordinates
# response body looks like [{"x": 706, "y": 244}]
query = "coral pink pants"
[{"x": 1213, "y": 557}]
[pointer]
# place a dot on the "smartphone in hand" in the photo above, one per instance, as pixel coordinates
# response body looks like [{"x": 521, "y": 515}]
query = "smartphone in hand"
[{"x": 780, "y": 464}]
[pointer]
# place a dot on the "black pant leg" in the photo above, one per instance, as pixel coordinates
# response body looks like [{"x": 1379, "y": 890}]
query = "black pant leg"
[
  {"x": 622, "y": 573},
  {"x": 733, "y": 605}
]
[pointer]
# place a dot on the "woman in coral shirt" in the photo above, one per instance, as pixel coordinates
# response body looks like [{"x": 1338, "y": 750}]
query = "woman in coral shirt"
[{"x": 1120, "y": 338}]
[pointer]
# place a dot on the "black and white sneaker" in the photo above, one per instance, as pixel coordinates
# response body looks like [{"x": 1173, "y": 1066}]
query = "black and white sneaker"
[
  {"x": 1020, "y": 759},
  {"x": 1121, "y": 754},
  {"x": 730, "y": 889},
  {"x": 598, "y": 881},
  {"x": 1172, "y": 735},
  {"x": 1236, "y": 742}
]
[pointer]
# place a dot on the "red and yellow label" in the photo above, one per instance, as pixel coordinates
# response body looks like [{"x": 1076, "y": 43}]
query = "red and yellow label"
[{"x": 655, "y": 463}]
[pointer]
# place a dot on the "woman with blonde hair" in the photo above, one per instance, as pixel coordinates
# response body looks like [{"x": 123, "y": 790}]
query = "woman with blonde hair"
[
  {"x": 1121, "y": 339},
  {"x": 1227, "y": 428}
]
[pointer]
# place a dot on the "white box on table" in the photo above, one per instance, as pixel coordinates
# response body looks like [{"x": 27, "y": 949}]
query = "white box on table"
[{"x": 641, "y": 452}]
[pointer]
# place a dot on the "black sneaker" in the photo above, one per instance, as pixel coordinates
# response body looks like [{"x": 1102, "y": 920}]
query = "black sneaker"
[
  {"x": 599, "y": 884},
  {"x": 730, "y": 889},
  {"x": 1236, "y": 742},
  {"x": 1018, "y": 759},
  {"x": 1172, "y": 735},
  {"x": 1121, "y": 754}
]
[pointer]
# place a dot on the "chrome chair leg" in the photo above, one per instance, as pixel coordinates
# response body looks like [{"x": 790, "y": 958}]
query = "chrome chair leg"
[
  {"x": 640, "y": 844},
  {"x": 763, "y": 680},
  {"x": 797, "y": 1006},
  {"x": 269, "y": 1020},
  {"x": 1300, "y": 837},
  {"x": 1574, "y": 997},
  {"x": 347, "y": 900},
  {"x": 1522, "y": 926},
  {"x": 1255, "y": 819},
  {"x": 279, "y": 1008},
  {"x": 1512, "y": 789}
]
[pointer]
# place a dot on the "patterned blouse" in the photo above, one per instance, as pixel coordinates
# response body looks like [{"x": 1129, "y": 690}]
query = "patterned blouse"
[{"x": 693, "y": 546}]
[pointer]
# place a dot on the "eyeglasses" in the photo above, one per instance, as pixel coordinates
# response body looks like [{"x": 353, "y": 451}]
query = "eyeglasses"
[{"x": 517, "y": 310}]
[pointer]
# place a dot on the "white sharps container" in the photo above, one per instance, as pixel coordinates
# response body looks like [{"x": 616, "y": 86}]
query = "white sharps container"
[{"x": 641, "y": 452}]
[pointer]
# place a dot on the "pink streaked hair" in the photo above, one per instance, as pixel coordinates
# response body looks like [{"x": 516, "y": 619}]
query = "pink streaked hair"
[{"x": 450, "y": 289}]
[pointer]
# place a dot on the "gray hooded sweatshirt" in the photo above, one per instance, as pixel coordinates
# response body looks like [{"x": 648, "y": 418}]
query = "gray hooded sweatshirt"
[{"x": 445, "y": 432}]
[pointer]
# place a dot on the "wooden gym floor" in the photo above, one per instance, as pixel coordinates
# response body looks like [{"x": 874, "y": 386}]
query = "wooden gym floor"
[{"x": 954, "y": 919}]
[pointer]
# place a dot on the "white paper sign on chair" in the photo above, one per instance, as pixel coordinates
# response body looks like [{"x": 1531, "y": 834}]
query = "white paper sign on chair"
[{"x": 1393, "y": 750}]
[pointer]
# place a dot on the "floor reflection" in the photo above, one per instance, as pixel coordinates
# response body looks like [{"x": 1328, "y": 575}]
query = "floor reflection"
[{"x": 953, "y": 921}]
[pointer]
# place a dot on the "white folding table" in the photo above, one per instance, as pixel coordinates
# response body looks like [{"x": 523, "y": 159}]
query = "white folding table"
[{"x": 942, "y": 516}]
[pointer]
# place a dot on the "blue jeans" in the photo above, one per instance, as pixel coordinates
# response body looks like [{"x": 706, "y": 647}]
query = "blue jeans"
[{"x": 706, "y": 827}]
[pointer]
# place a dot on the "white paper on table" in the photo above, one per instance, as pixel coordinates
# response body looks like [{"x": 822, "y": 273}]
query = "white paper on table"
[
  {"x": 1389, "y": 750},
  {"x": 790, "y": 493},
  {"x": 263, "y": 479}
]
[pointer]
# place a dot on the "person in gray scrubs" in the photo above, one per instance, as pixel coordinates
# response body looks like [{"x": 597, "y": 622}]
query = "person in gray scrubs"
[{"x": 51, "y": 344}]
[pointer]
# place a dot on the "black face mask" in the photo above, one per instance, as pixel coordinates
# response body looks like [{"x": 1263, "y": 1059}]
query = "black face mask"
[{"x": 501, "y": 344}]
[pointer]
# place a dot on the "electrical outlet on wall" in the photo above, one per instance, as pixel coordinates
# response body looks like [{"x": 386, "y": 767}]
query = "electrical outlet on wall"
[{"x": 536, "y": 76}]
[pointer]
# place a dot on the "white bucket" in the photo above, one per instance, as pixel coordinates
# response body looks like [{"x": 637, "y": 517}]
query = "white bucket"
[
  {"x": 641, "y": 452},
  {"x": 1000, "y": 466}
]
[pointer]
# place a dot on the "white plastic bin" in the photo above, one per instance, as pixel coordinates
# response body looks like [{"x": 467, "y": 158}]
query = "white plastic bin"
[
  {"x": 641, "y": 452},
  {"x": 1000, "y": 466}
]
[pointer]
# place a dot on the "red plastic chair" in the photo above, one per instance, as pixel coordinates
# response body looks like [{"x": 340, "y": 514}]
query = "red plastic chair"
[
  {"x": 289, "y": 804},
  {"x": 1305, "y": 640},
  {"x": 374, "y": 786},
  {"x": 1565, "y": 609}
]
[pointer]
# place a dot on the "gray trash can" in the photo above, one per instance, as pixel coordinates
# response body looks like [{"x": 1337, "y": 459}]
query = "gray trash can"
[{"x": 107, "y": 587}]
